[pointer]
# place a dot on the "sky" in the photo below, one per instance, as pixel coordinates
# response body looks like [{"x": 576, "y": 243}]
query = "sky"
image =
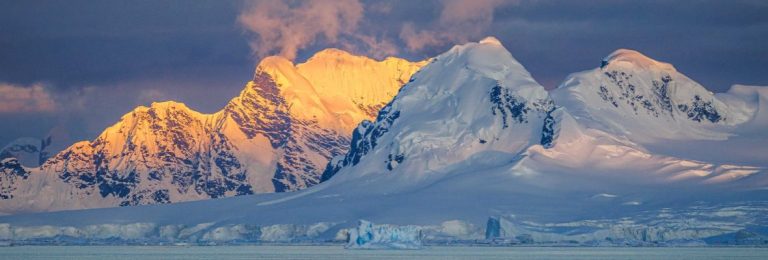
[{"x": 75, "y": 67}]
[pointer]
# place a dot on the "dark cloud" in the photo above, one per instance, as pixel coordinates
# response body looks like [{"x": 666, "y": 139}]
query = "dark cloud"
[
  {"x": 718, "y": 43},
  {"x": 73, "y": 43},
  {"x": 99, "y": 59},
  {"x": 85, "y": 52}
]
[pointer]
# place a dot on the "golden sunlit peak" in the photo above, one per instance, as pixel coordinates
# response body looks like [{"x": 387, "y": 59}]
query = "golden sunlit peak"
[
  {"x": 334, "y": 56},
  {"x": 163, "y": 106},
  {"x": 332, "y": 52},
  {"x": 169, "y": 104}
]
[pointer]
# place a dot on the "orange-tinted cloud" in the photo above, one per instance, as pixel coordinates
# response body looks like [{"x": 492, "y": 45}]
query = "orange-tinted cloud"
[
  {"x": 286, "y": 27},
  {"x": 35, "y": 98},
  {"x": 283, "y": 27}
]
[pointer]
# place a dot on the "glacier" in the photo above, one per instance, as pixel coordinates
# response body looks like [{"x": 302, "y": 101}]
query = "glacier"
[
  {"x": 472, "y": 150},
  {"x": 370, "y": 236},
  {"x": 696, "y": 225}
]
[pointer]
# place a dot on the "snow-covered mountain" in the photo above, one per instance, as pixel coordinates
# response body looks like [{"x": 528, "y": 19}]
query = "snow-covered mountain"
[
  {"x": 34, "y": 151},
  {"x": 473, "y": 97},
  {"x": 277, "y": 135},
  {"x": 631, "y": 94},
  {"x": 474, "y": 150}
]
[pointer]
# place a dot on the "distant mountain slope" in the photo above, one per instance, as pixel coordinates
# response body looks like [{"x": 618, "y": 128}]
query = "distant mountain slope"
[
  {"x": 31, "y": 152},
  {"x": 277, "y": 135}
]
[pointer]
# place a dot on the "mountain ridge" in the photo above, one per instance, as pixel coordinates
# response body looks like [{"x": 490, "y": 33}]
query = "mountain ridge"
[
  {"x": 276, "y": 135},
  {"x": 474, "y": 105}
]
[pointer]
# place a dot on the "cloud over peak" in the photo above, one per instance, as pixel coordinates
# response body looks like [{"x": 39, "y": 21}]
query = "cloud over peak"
[
  {"x": 25, "y": 99},
  {"x": 286, "y": 27},
  {"x": 460, "y": 21}
]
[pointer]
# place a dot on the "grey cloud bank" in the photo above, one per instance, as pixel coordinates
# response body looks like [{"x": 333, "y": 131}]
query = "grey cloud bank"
[{"x": 114, "y": 55}]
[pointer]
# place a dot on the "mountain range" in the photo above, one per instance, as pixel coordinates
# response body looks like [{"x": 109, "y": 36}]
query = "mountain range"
[
  {"x": 276, "y": 136},
  {"x": 470, "y": 148}
]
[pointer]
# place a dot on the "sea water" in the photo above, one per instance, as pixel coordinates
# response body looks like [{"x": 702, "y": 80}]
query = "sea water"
[{"x": 338, "y": 252}]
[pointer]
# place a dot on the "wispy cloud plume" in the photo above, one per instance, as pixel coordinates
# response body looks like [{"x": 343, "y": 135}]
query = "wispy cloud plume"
[
  {"x": 285, "y": 27},
  {"x": 459, "y": 21},
  {"x": 16, "y": 99}
]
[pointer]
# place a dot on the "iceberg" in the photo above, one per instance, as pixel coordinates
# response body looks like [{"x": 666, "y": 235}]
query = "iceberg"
[{"x": 370, "y": 236}]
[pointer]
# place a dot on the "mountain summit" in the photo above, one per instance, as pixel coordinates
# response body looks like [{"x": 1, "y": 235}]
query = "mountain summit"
[
  {"x": 660, "y": 101},
  {"x": 634, "y": 59}
]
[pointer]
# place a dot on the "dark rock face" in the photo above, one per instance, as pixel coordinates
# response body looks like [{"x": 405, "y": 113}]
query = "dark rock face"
[
  {"x": 661, "y": 89},
  {"x": 511, "y": 107},
  {"x": 550, "y": 130},
  {"x": 606, "y": 96},
  {"x": 11, "y": 172},
  {"x": 394, "y": 160},
  {"x": 514, "y": 109},
  {"x": 263, "y": 111},
  {"x": 701, "y": 110},
  {"x": 294, "y": 170},
  {"x": 364, "y": 139},
  {"x": 213, "y": 172},
  {"x": 621, "y": 92}
]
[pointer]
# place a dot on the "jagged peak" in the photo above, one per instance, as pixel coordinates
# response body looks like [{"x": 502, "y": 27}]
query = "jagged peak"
[
  {"x": 274, "y": 64},
  {"x": 169, "y": 104},
  {"x": 157, "y": 110},
  {"x": 634, "y": 58},
  {"x": 332, "y": 86}
]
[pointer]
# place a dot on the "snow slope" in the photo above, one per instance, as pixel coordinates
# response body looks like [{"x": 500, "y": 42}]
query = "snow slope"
[
  {"x": 473, "y": 97},
  {"x": 634, "y": 95},
  {"x": 277, "y": 135},
  {"x": 668, "y": 117},
  {"x": 473, "y": 150}
]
